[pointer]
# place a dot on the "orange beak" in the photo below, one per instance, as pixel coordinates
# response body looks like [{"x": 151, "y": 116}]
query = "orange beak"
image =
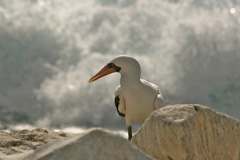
[{"x": 103, "y": 72}]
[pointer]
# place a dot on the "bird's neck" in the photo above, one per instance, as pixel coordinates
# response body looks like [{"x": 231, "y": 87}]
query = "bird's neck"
[{"x": 129, "y": 79}]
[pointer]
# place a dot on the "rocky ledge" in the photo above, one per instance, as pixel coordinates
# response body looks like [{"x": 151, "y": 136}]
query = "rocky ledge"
[
  {"x": 176, "y": 132},
  {"x": 189, "y": 132}
]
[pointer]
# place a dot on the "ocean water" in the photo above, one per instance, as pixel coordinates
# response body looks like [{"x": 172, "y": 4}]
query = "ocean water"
[{"x": 50, "y": 48}]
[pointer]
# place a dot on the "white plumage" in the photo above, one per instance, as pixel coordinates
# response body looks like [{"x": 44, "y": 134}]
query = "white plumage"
[
  {"x": 138, "y": 101},
  {"x": 135, "y": 98}
]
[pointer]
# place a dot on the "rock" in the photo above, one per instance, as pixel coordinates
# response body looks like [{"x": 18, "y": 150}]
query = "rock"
[
  {"x": 22, "y": 141},
  {"x": 189, "y": 132},
  {"x": 96, "y": 144}
]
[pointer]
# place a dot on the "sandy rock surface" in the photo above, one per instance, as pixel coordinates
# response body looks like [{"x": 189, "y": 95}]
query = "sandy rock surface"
[
  {"x": 189, "y": 132},
  {"x": 176, "y": 132},
  {"x": 96, "y": 144}
]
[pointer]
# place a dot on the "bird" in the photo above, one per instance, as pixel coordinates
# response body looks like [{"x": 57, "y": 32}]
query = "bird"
[{"x": 135, "y": 98}]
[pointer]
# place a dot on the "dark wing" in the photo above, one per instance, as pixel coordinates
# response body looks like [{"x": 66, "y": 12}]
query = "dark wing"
[{"x": 117, "y": 101}]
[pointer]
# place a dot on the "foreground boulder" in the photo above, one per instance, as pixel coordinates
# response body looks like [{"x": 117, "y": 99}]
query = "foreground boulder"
[
  {"x": 96, "y": 144},
  {"x": 189, "y": 132}
]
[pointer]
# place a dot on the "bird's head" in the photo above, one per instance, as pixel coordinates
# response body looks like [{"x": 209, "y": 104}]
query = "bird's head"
[{"x": 124, "y": 65}]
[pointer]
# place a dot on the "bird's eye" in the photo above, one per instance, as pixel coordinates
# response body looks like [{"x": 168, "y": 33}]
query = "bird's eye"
[{"x": 110, "y": 65}]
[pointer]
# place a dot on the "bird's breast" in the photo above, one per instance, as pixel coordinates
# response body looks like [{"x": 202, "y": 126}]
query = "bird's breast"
[{"x": 139, "y": 104}]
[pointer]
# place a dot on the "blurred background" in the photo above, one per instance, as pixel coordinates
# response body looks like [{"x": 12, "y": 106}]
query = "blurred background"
[{"x": 50, "y": 48}]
